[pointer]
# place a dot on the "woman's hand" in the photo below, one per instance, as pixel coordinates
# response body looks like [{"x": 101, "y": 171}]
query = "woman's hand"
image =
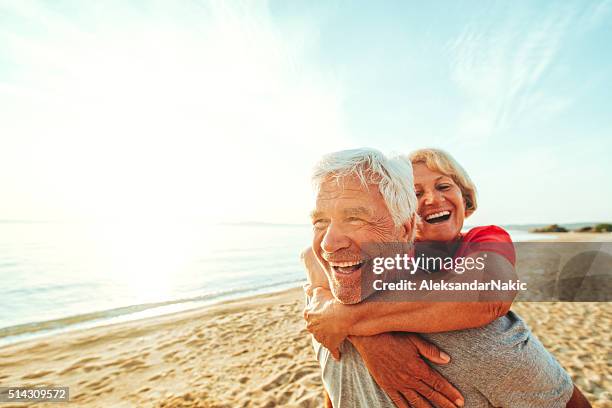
[
  {"x": 327, "y": 320},
  {"x": 395, "y": 360}
]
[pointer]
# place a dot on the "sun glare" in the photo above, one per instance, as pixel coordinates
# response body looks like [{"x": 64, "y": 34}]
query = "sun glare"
[
  {"x": 156, "y": 119},
  {"x": 143, "y": 258}
]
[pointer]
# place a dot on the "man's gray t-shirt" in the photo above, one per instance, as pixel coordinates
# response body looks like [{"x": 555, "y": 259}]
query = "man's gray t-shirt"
[{"x": 499, "y": 365}]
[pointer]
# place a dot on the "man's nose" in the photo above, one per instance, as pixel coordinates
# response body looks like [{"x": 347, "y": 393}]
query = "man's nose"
[{"x": 334, "y": 239}]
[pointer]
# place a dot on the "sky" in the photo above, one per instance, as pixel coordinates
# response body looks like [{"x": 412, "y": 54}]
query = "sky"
[{"x": 217, "y": 110}]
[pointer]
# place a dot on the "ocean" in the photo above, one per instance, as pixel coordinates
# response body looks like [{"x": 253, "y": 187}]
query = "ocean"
[{"x": 63, "y": 276}]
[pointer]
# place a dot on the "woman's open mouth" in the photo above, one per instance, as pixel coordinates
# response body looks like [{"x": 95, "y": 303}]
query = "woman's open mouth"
[
  {"x": 346, "y": 268},
  {"x": 438, "y": 217}
]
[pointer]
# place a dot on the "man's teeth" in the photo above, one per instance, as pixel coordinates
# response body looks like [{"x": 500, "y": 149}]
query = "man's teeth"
[
  {"x": 347, "y": 267},
  {"x": 436, "y": 215},
  {"x": 344, "y": 264}
]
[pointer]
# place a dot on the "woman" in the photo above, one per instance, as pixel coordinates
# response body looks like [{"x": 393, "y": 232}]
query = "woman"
[{"x": 446, "y": 197}]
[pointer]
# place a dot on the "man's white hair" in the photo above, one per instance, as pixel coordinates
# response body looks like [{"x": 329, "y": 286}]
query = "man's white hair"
[{"x": 392, "y": 175}]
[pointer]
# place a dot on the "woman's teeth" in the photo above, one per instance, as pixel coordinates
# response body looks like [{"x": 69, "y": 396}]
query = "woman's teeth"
[{"x": 438, "y": 217}]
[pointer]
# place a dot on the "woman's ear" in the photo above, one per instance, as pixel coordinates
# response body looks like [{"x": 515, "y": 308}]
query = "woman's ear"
[{"x": 468, "y": 210}]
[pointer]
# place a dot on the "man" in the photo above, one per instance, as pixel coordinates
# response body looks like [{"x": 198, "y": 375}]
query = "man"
[{"x": 365, "y": 199}]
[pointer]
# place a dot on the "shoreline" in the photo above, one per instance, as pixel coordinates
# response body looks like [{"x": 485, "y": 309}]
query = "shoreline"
[
  {"x": 155, "y": 322},
  {"x": 90, "y": 320},
  {"x": 108, "y": 317}
]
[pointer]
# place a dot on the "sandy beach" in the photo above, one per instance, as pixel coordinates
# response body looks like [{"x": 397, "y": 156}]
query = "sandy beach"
[{"x": 255, "y": 352}]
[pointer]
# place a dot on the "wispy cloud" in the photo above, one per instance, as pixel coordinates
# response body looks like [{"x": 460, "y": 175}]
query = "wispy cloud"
[
  {"x": 500, "y": 67},
  {"x": 596, "y": 13}
]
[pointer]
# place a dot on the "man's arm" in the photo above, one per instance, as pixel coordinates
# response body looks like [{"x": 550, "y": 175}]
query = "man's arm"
[{"x": 396, "y": 361}]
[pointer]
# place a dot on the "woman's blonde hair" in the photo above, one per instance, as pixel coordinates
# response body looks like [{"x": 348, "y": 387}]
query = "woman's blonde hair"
[{"x": 442, "y": 162}]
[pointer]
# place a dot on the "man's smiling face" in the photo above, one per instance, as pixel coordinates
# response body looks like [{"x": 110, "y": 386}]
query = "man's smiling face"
[{"x": 347, "y": 218}]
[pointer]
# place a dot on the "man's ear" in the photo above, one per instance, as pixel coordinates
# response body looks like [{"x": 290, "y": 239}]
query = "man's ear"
[{"x": 407, "y": 230}]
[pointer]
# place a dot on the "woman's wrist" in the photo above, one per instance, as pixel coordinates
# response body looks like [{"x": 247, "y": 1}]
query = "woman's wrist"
[{"x": 351, "y": 315}]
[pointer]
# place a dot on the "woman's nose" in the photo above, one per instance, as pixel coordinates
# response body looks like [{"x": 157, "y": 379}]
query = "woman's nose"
[
  {"x": 431, "y": 197},
  {"x": 334, "y": 239}
]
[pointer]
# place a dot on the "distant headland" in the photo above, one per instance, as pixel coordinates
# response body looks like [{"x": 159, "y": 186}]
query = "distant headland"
[{"x": 601, "y": 227}]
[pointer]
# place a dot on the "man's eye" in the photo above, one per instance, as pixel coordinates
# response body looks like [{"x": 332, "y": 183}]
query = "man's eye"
[
  {"x": 354, "y": 220},
  {"x": 319, "y": 224}
]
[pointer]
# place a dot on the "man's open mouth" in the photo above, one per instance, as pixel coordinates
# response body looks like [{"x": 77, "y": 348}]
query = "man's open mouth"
[
  {"x": 346, "y": 267},
  {"x": 438, "y": 217}
]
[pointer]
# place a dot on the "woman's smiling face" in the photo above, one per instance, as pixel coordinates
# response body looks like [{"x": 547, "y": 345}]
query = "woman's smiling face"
[{"x": 441, "y": 205}]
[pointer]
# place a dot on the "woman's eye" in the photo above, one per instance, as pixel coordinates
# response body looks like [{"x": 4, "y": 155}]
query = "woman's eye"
[
  {"x": 443, "y": 187},
  {"x": 419, "y": 194}
]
